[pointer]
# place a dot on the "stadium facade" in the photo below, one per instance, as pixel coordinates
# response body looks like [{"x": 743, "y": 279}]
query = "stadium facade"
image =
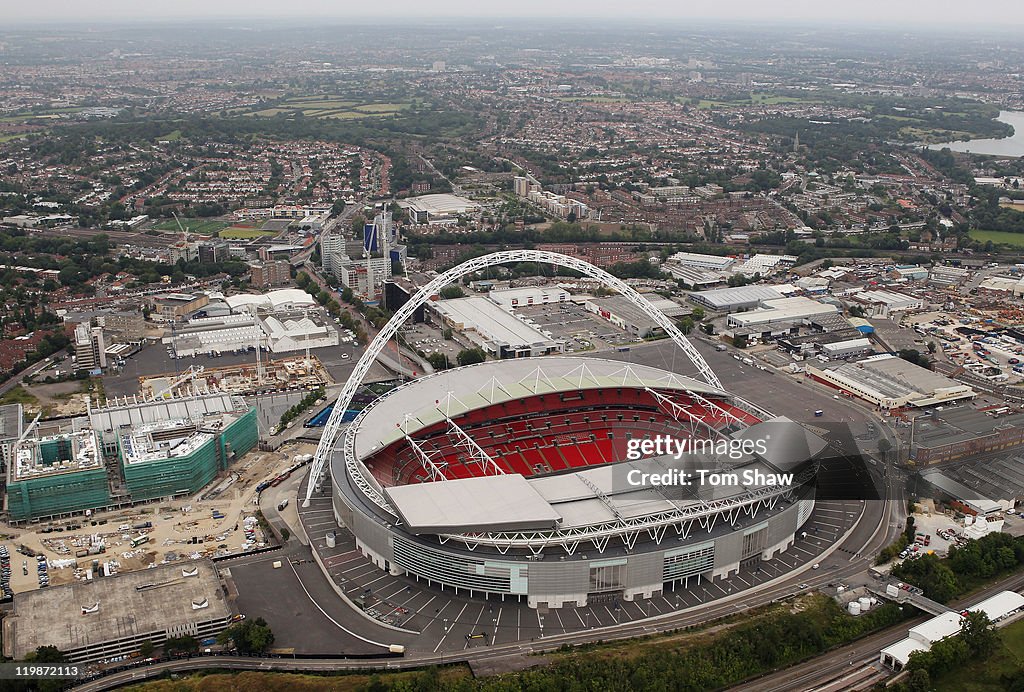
[{"x": 510, "y": 484}]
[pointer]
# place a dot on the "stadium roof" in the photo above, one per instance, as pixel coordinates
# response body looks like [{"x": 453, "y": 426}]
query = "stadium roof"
[
  {"x": 501, "y": 503},
  {"x": 450, "y": 393}
]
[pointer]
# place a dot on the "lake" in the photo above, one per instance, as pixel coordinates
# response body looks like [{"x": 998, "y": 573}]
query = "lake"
[{"x": 1010, "y": 146}]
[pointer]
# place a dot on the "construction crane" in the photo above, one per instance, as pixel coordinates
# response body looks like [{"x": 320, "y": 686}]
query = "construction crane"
[
  {"x": 193, "y": 372},
  {"x": 183, "y": 229}
]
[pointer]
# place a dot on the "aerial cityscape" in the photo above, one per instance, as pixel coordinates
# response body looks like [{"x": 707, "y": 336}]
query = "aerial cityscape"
[{"x": 497, "y": 350}]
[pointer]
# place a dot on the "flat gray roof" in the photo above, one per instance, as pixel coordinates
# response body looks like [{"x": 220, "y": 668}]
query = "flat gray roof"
[
  {"x": 499, "y": 503},
  {"x": 53, "y": 616}
]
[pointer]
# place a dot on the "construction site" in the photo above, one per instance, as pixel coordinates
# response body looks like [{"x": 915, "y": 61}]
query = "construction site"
[
  {"x": 126, "y": 451},
  {"x": 243, "y": 379}
]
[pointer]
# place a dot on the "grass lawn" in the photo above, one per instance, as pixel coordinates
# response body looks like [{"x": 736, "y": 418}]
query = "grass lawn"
[
  {"x": 244, "y": 233},
  {"x": 202, "y": 227},
  {"x": 18, "y": 395},
  {"x": 170, "y": 137},
  {"x": 381, "y": 107},
  {"x": 999, "y": 237}
]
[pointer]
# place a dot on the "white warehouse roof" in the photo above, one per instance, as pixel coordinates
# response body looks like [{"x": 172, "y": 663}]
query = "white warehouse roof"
[{"x": 274, "y": 300}]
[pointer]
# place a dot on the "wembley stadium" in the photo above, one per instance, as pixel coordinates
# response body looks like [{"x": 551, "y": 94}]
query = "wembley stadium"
[{"x": 504, "y": 478}]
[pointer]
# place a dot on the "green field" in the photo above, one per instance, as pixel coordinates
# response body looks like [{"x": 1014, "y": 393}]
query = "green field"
[
  {"x": 326, "y": 106},
  {"x": 987, "y": 676},
  {"x": 201, "y": 227},
  {"x": 999, "y": 237},
  {"x": 244, "y": 233}
]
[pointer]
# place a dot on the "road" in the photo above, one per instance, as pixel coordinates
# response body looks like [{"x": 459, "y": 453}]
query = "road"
[{"x": 27, "y": 372}]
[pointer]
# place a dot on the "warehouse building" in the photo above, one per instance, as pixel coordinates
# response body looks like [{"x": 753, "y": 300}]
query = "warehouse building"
[
  {"x": 921, "y": 637},
  {"x": 780, "y": 312},
  {"x": 176, "y": 306},
  {"x": 963, "y": 432},
  {"x": 891, "y": 383},
  {"x": 630, "y": 318},
  {"x": 733, "y": 299},
  {"x": 438, "y": 209},
  {"x": 884, "y": 303},
  {"x": 511, "y": 298},
  {"x": 499, "y": 332},
  {"x": 112, "y": 616},
  {"x": 696, "y": 260}
]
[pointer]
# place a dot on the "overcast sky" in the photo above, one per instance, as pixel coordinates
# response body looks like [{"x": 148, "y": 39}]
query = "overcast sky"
[{"x": 907, "y": 13}]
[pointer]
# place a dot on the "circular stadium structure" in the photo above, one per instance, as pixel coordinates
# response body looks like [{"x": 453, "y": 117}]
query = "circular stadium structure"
[
  {"x": 514, "y": 478},
  {"x": 509, "y": 478}
]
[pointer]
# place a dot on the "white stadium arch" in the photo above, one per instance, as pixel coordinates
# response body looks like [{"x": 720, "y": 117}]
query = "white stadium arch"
[{"x": 333, "y": 426}]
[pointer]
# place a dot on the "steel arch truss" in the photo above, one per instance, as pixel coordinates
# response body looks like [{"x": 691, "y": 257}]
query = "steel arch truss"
[{"x": 333, "y": 427}]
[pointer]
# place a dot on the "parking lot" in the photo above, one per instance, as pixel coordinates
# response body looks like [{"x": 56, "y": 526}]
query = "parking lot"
[{"x": 581, "y": 330}]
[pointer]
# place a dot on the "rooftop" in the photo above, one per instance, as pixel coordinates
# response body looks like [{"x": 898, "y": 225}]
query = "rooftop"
[
  {"x": 130, "y": 604},
  {"x": 491, "y": 321}
]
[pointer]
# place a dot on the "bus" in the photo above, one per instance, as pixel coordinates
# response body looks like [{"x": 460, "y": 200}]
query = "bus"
[{"x": 139, "y": 540}]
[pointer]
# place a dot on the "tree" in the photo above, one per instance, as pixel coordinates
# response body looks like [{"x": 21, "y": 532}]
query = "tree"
[
  {"x": 248, "y": 636},
  {"x": 453, "y": 291},
  {"x": 146, "y": 649},
  {"x": 977, "y": 632},
  {"x": 708, "y": 328},
  {"x": 685, "y": 325},
  {"x": 46, "y": 654},
  {"x": 932, "y": 348},
  {"x": 698, "y": 314},
  {"x": 470, "y": 356},
  {"x": 185, "y": 644},
  {"x": 438, "y": 361}
]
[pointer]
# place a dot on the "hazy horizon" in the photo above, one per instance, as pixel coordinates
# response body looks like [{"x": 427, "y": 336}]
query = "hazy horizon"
[{"x": 982, "y": 14}]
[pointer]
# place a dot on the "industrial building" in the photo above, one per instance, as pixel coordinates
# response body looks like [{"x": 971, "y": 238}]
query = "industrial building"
[
  {"x": 176, "y": 306},
  {"x": 438, "y": 208},
  {"x": 884, "y": 303},
  {"x": 112, "y": 616},
  {"x": 780, "y": 313},
  {"x": 849, "y": 348},
  {"x": 733, "y": 299},
  {"x": 948, "y": 276},
  {"x": 510, "y": 298},
  {"x": 498, "y": 331},
  {"x": 765, "y": 264},
  {"x": 923, "y": 636},
  {"x": 126, "y": 452},
  {"x": 698, "y": 279},
  {"x": 699, "y": 261},
  {"x": 962, "y": 432},
  {"x": 629, "y": 318},
  {"x": 891, "y": 383}
]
